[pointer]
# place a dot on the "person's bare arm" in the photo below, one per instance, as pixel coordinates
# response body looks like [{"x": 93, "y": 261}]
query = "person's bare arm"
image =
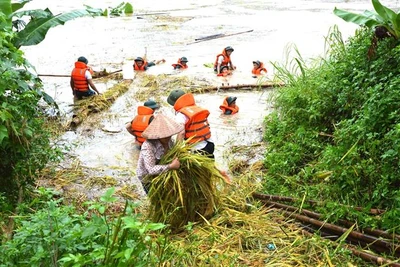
[
  {"x": 218, "y": 68},
  {"x": 232, "y": 66},
  {"x": 128, "y": 127},
  {"x": 90, "y": 82},
  {"x": 71, "y": 83}
]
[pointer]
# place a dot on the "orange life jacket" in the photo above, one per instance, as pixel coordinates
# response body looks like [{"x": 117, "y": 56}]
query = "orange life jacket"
[
  {"x": 143, "y": 67},
  {"x": 225, "y": 62},
  {"x": 180, "y": 64},
  {"x": 225, "y": 106},
  {"x": 224, "y": 74},
  {"x": 78, "y": 76},
  {"x": 197, "y": 126},
  {"x": 259, "y": 69},
  {"x": 140, "y": 122}
]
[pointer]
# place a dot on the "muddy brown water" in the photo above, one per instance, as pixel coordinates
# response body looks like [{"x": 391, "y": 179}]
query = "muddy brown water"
[{"x": 113, "y": 43}]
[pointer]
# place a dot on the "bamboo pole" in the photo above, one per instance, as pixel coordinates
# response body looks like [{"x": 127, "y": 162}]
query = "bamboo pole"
[
  {"x": 209, "y": 37},
  {"x": 101, "y": 75},
  {"x": 312, "y": 202},
  {"x": 361, "y": 254},
  {"x": 238, "y": 86},
  {"x": 369, "y": 257},
  {"x": 370, "y": 240},
  {"x": 374, "y": 232},
  {"x": 53, "y": 75},
  {"x": 216, "y": 37}
]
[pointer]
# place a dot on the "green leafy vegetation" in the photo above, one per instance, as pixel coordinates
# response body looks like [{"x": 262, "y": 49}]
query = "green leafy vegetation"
[
  {"x": 123, "y": 7},
  {"x": 382, "y": 17},
  {"x": 106, "y": 234},
  {"x": 40, "y": 21},
  {"x": 334, "y": 136},
  {"x": 25, "y": 145}
]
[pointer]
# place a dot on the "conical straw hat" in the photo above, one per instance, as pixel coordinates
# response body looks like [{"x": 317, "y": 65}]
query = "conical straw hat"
[{"x": 162, "y": 127}]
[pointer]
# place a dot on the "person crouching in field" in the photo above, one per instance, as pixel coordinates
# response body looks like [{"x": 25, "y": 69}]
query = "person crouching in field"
[{"x": 158, "y": 142}]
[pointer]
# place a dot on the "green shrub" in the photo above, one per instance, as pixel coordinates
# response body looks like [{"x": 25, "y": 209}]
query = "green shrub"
[
  {"x": 58, "y": 234},
  {"x": 24, "y": 143},
  {"x": 335, "y": 133}
]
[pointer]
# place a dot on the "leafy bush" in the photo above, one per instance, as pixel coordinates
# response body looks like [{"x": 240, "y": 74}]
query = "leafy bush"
[
  {"x": 24, "y": 144},
  {"x": 57, "y": 234},
  {"x": 335, "y": 132}
]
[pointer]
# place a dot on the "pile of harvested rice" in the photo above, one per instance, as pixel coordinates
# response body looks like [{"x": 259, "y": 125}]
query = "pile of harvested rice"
[{"x": 188, "y": 194}]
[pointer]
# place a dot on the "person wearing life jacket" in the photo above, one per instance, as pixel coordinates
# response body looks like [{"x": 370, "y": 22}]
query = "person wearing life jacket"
[
  {"x": 258, "y": 68},
  {"x": 142, "y": 65},
  {"x": 194, "y": 118},
  {"x": 224, "y": 59},
  {"x": 181, "y": 64},
  {"x": 229, "y": 106},
  {"x": 81, "y": 81},
  {"x": 144, "y": 117},
  {"x": 196, "y": 126},
  {"x": 224, "y": 71}
]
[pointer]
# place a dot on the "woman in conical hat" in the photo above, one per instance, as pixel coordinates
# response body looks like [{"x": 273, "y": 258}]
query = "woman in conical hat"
[{"x": 158, "y": 141}]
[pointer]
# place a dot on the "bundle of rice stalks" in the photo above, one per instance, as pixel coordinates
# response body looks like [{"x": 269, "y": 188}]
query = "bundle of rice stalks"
[
  {"x": 156, "y": 86},
  {"x": 188, "y": 194},
  {"x": 99, "y": 102}
]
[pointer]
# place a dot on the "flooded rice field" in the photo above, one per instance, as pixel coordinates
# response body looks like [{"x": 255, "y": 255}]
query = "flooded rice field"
[{"x": 101, "y": 146}]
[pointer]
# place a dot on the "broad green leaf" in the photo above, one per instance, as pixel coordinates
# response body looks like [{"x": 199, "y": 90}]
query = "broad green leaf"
[
  {"x": 94, "y": 11},
  {"x": 128, "y": 8},
  {"x": 102, "y": 209},
  {"x": 131, "y": 223},
  {"x": 5, "y": 115},
  {"x": 128, "y": 253},
  {"x": 18, "y": 5},
  {"x": 155, "y": 226},
  {"x": 5, "y": 7},
  {"x": 107, "y": 197},
  {"x": 46, "y": 97},
  {"x": 359, "y": 19},
  {"x": 36, "y": 30},
  {"x": 35, "y": 13},
  {"x": 3, "y": 133},
  {"x": 89, "y": 231},
  {"x": 386, "y": 13},
  {"x": 396, "y": 23}
]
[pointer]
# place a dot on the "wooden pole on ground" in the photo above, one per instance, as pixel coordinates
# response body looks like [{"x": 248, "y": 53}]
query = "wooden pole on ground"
[
  {"x": 100, "y": 73},
  {"x": 239, "y": 86}
]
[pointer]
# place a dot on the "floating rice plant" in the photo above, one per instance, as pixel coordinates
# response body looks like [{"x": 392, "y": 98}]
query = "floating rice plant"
[{"x": 98, "y": 103}]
